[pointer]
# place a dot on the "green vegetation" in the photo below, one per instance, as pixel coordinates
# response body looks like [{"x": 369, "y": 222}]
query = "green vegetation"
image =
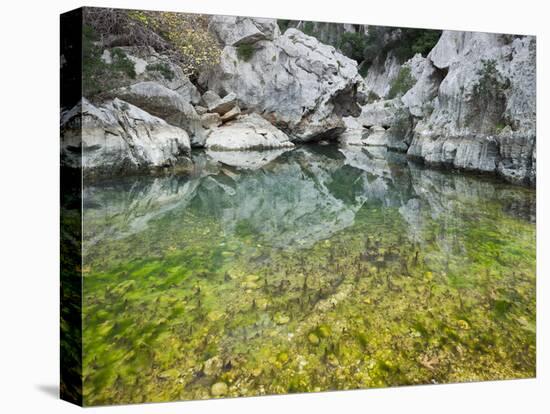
[
  {"x": 309, "y": 28},
  {"x": 184, "y": 36},
  {"x": 404, "y": 43},
  {"x": 97, "y": 75},
  {"x": 402, "y": 83},
  {"x": 162, "y": 68},
  {"x": 488, "y": 95},
  {"x": 364, "y": 69},
  {"x": 245, "y": 51},
  {"x": 375, "y": 45},
  {"x": 283, "y": 24},
  {"x": 353, "y": 45}
]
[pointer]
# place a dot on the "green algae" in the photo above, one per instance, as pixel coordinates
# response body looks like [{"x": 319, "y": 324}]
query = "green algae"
[{"x": 201, "y": 302}]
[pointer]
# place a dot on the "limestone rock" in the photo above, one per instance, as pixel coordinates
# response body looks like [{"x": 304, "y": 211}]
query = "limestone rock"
[
  {"x": 165, "y": 103},
  {"x": 231, "y": 114},
  {"x": 248, "y": 132},
  {"x": 201, "y": 110},
  {"x": 475, "y": 153},
  {"x": 210, "y": 99},
  {"x": 211, "y": 120},
  {"x": 299, "y": 84},
  {"x": 118, "y": 137},
  {"x": 381, "y": 75},
  {"x": 226, "y": 104},
  {"x": 152, "y": 66},
  {"x": 463, "y": 129},
  {"x": 380, "y": 113},
  {"x": 234, "y": 30}
]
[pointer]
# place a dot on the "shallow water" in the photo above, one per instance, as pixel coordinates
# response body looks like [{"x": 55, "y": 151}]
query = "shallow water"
[{"x": 321, "y": 269}]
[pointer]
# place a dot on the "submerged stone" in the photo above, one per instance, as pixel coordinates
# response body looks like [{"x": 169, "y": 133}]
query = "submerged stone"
[
  {"x": 313, "y": 339},
  {"x": 219, "y": 389},
  {"x": 281, "y": 319}
]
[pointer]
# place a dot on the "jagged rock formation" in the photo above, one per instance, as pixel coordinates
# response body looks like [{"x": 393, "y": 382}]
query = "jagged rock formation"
[
  {"x": 381, "y": 75},
  {"x": 117, "y": 137},
  {"x": 297, "y": 83},
  {"x": 484, "y": 112},
  {"x": 471, "y": 105}
]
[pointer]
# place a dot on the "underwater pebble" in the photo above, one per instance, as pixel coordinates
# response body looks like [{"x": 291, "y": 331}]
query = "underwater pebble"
[
  {"x": 219, "y": 389},
  {"x": 324, "y": 331},
  {"x": 313, "y": 339},
  {"x": 463, "y": 324},
  {"x": 281, "y": 319},
  {"x": 213, "y": 366},
  {"x": 282, "y": 357},
  {"x": 332, "y": 360},
  {"x": 215, "y": 316}
]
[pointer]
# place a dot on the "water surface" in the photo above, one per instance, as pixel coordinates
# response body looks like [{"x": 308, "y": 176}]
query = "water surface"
[{"x": 323, "y": 268}]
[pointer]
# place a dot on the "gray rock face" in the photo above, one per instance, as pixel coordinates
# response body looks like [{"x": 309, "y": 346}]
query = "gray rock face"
[
  {"x": 248, "y": 132},
  {"x": 148, "y": 65},
  {"x": 210, "y": 121},
  {"x": 118, "y": 137},
  {"x": 221, "y": 106},
  {"x": 328, "y": 33},
  {"x": 234, "y": 31},
  {"x": 493, "y": 131},
  {"x": 474, "y": 153},
  {"x": 420, "y": 98},
  {"x": 231, "y": 114},
  {"x": 518, "y": 159},
  {"x": 472, "y": 106},
  {"x": 381, "y": 75},
  {"x": 385, "y": 138},
  {"x": 300, "y": 85},
  {"x": 153, "y": 97},
  {"x": 383, "y": 123},
  {"x": 380, "y": 113},
  {"x": 165, "y": 103},
  {"x": 355, "y": 136}
]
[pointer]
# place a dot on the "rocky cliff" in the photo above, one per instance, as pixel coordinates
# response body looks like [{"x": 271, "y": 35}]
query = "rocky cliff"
[
  {"x": 467, "y": 104},
  {"x": 300, "y": 85},
  {"x": 470, "y": 104}
]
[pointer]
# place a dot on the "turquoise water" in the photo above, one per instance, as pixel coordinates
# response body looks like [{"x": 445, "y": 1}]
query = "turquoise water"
[{"x": 323, "y": 268}]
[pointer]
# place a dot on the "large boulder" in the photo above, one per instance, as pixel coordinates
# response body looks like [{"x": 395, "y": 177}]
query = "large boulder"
[
  {"x": 117, "y": 137},
  {"x": 380, "y": 113},
  {"x": 382, "y": 123},
  {"x": 234, "y": 30},
  {"x": 248, "y": 132},
  {"x": 165, "y": 103},
  {"x": 219, "y": 105},
  {"x": 299, "y": 84}
]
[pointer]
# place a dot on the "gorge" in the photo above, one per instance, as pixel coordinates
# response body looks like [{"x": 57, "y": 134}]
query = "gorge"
[{"x": 468, "y": 104}]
